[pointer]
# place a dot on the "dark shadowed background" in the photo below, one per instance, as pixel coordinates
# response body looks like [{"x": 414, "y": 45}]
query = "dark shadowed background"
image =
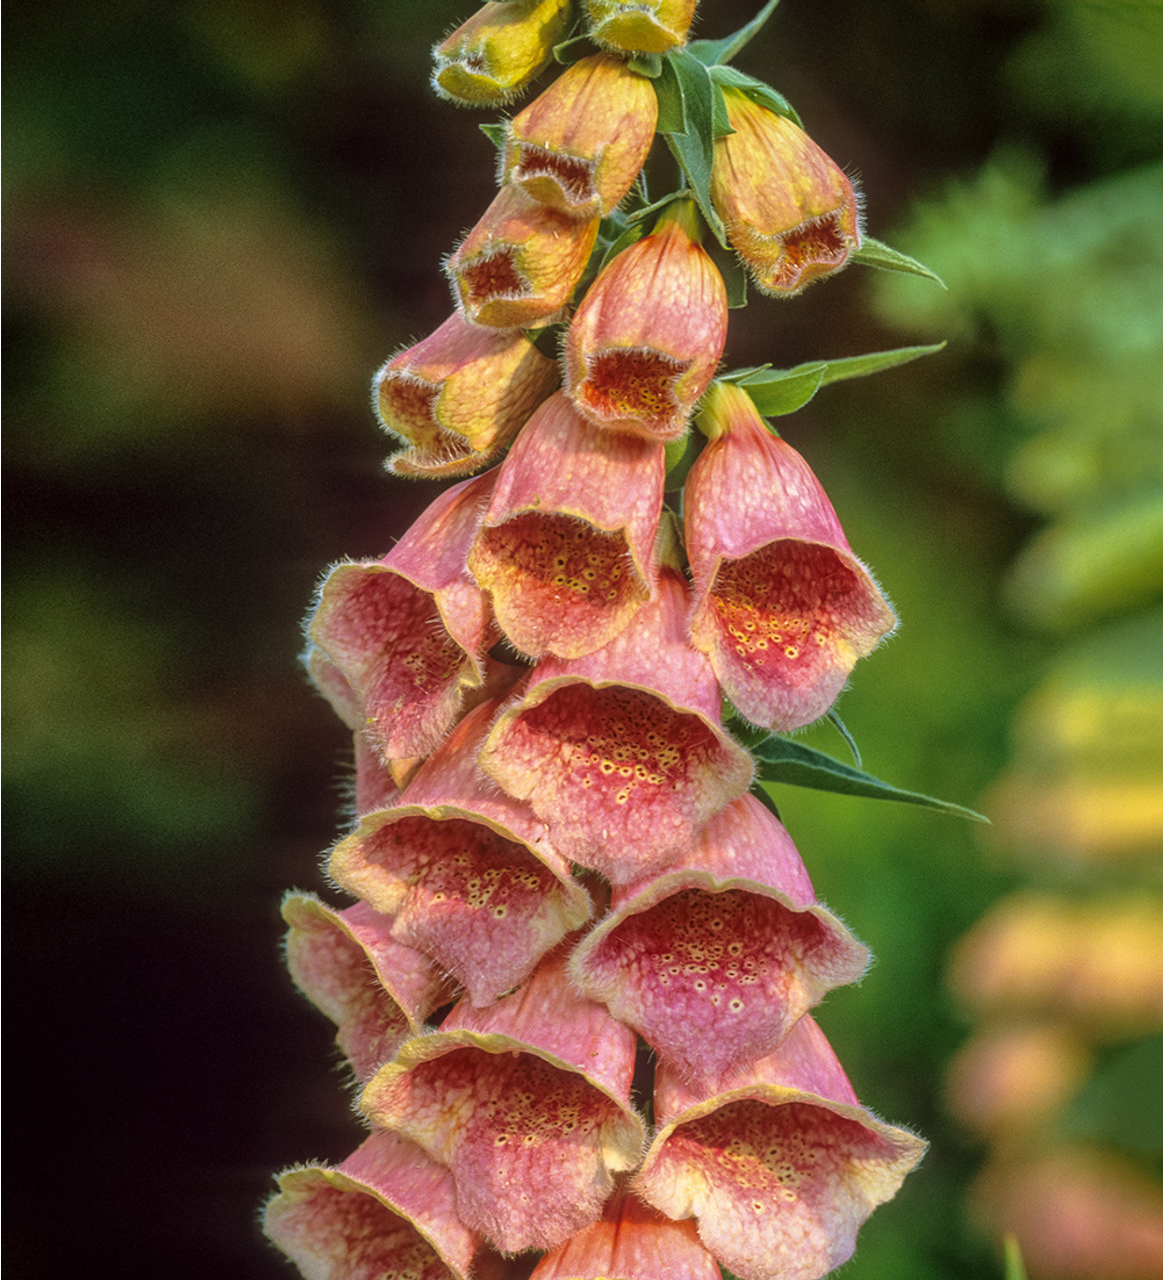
[{"x": 220, "y": 217}]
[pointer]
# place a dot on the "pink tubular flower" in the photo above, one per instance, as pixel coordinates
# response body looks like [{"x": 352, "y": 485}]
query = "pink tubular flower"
[
  {"x": 716, "y": 960},
  {"x": 779, "y": 1166},
  {"x": 640, "y": 26},
  {"x": 527, "y": 1102},
  {"x": 782, "y": 606},
  {"x": 518, "y": 266},
  {"x": 493, "y": 56},
  {"x": 377, "y": 992},
  {"x": 630, "y": 1241},
  {"x": 566, "y": 548},
  {"x": 789, "y": 211},
  {"x": 646, "y": 339},
  {"x": 388, "y": 1210},
  {"x": 458, "y": 397},
  {"x": 465, "y": 871},
  {"x": 620, "y": 752},
  {"x": 579, "y": 146},
  {"x": 408, "y": 634}
]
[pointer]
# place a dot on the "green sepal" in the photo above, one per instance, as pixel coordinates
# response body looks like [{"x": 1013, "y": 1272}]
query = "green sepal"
[
  {"x": 840, "y": 726},
  {"x": 714, "y": 52},
  {"x": 647, "y": 64},
  {"x": 873, "y": 253},
  {"x": 757, "y": 90},
  {"x": 679, "y": 456},
  {"x": 495, "y": 133},
  {"x": 789, "y": 763},
  {"x": 688, "y": 114},
  {"x": 1013, "y": 1258},
  {"x": 734, "y": 275},
  {"x": 778, "y": 391},
  {"x": 573, "y": 49},
  {"x": 635, "y": 231}
]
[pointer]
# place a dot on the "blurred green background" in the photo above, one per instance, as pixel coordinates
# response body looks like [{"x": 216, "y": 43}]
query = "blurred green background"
[{"x": 220, "y": 217}]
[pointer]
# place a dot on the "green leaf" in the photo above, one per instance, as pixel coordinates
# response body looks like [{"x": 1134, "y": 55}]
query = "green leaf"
[
  {"x": 782, "y": 761},
  {"x": 572, "y": 49},
  {"x": 687, "y": 116},
  {"x": 840, "y": 726},
  {"x": 712, "y": 52},
  {"x": 783, "y": 391},
  {"x": 778, "y": 391},
  {"x": 757, "y": 90},
  {"x": 875, "y": 254},
  {"x": 680, "y": 454},
  {"x": 734, "y": 274}
]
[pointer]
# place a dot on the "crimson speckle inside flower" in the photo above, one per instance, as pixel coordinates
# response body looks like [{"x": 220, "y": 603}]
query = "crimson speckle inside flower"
[
  {"x": 338, "y": 1232},
  {"x": 710, "y": 979},
  {"x": 815, "y": 248},
  {"x": 491, "y": 276},
  {"x": 574, "y": 176},
  {"x": 629, "y": 383}
]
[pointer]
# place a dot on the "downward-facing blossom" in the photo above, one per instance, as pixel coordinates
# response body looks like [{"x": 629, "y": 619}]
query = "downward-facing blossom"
[
  {"x": 349, "y": 966},
  {"x": 631, "y": 1241},
  {"x": 493, "y": 56},
  {"x": 790, "y": 212},
  {"x": 466, "y": 872},
  {"x": 779, "y": 1165},
  {"x": 388, "y": 1210},
  {"x": 640, "y": 26},
  {"x": 782, "y": 606},
  {"x": 527, "y": 1103},
  {"x": 566, "y": 548},
  {"x": 579, "y": 146},
  {"x": 621, "y": 752},
  {"x": 518, "y": 266},
  {"x": 714, "y": 961},
  {"x": 408, "y": 633},
  {"x": 459, "y": 396},
  {"x": 646, "y": 339}
]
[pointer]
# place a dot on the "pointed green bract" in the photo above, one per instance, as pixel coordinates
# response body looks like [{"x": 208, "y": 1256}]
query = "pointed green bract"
[
  {"x": 717, "y": 52},
  {"x": 782, "y": 761},
  {"x": 873, "y": 253}
]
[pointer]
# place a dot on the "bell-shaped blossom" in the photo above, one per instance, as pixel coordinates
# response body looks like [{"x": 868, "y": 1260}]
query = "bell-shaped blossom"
[
  {"x": 782, "y": 606},
  {"x": 409, "y": 633},
  {"x": 779, "y": 1164},
  {"x": 527, "y": 1102},
  {"x": 458, "y": 397},
  {"x": 639, "y": 26},
  {"x": 621, "y": 752},
  {"x": 466, "y": 871},
  {"x": 566, "y": 549},
  {"x": 647, "y": 337},
  {"x": 376, "y": 991},
  {"x": 716, "y": 960},
  {"x": 387, "y": 1210},
  {"x": 631, "y": 1241},
  {"x": 579, "y": 146},
  {"x": 518, "y": 266},
  {"x": 789, "y": 211},
  {"x": 493, "y": 56}
]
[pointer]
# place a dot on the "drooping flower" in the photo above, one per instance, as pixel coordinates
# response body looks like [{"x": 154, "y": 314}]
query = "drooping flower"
[
  {"x": 645, "y": 340},
  {"x": 714, "y": 961},
  {"x": 493, "y": 56},
  {"x": 566, "y": 548},
  {"x": 631, "y": 1241},
  {"x": 527, "y": 1102},
  {"x": 789, "y": 211},
  {"x": 519, "y": 264},
  {"x": 458, "y": 397},
  {"x": 466, "y": 872},
  {"x": 579, "y": 146},
  {"x": 782, "y": 606},
  {"x": 377, "y": 992},
  {"x": 640, "y": 26},
  {"x": 387, "y": 1210},
  {"x": 620, "y": 752},
  {"x": 408, "y": 634},
  {"x": 779, "y": 1163}
]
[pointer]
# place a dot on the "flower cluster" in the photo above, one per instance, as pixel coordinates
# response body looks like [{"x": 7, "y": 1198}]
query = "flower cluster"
[{"x": 575, "y": 981}]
